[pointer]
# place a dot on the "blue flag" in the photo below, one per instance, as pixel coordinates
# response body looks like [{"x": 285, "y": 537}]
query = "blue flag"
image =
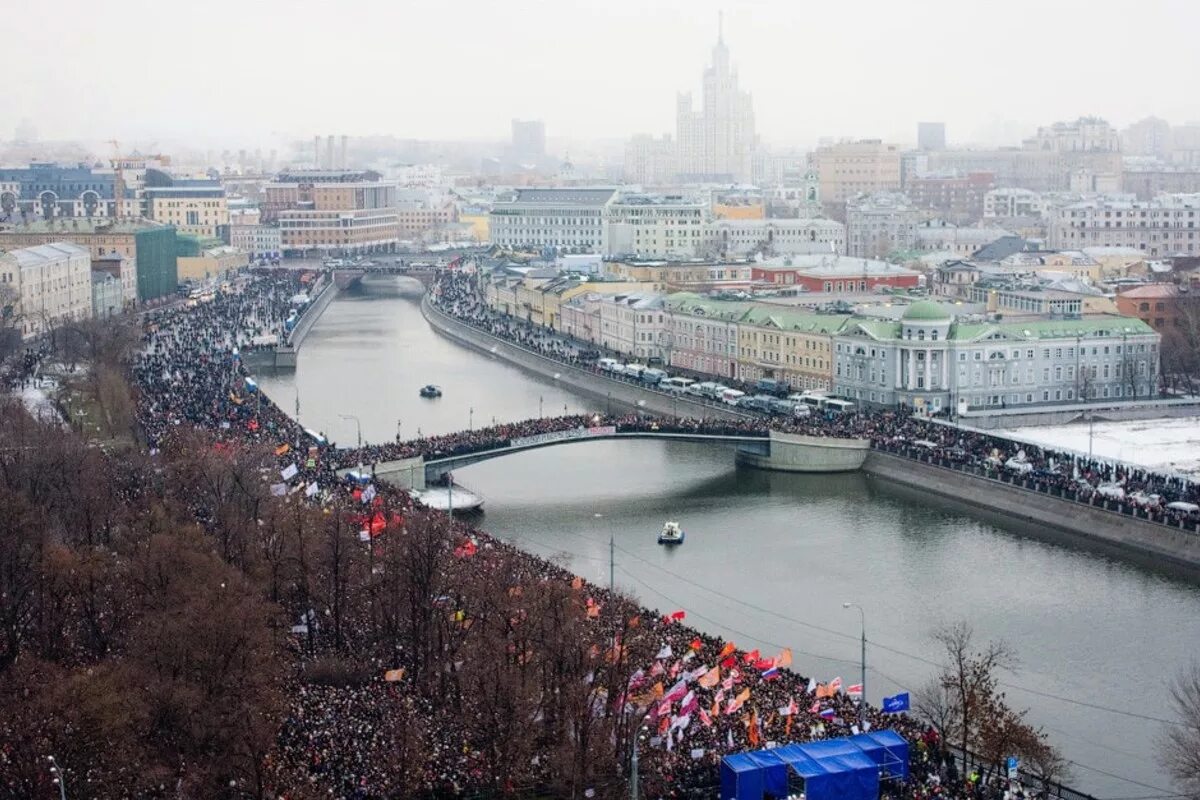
[{"x": 896, "y": 703}]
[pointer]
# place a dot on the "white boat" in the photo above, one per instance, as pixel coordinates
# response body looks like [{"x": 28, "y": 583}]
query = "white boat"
[{"x": 671, "y": 534}]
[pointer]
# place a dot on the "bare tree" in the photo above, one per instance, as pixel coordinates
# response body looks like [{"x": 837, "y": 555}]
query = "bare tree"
[
  {"x": 969, "y": 676},
  {"x": 1181, "y": 743}
]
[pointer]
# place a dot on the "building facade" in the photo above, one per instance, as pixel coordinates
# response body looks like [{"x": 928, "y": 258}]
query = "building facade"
[
  {"x": 716, "y": 142},
  {"x": 52, "y": 284},
  {"x": 193, "y": 207},
  {"x": 738, "y": 238},
  {"x": 553, "y": 219},
  {"x": 257, "y": 241},
  {"x": 49, "y": 191},
  {"x": 107, "y": 298},
  {"x": 656, "y": 226},
  {"x": 833, "y": 273},
  {"x": 959, "y": 198},
  {"x": 1164, "y": 226},
  {"x": 848, "y": 169},
  {"x": 929, "y": 361},
  {"x": 786, "y": 345},
  {"x": 880, "y": 223},
  {"x": 336, "y": 212},
  {"x": 1012, "y": 202},
  {"x": 702, "y": 334}
]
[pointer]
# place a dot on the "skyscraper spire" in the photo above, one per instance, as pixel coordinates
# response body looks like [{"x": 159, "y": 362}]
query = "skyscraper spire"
[{"x": 720, "y": 27}]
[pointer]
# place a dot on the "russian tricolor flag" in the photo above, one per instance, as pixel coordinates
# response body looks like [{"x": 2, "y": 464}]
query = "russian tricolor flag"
[
  {"x": 770, "y": 674},
  {"x": 827, "y": 713}
]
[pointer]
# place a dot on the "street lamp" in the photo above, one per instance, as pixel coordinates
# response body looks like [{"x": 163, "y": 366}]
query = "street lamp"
[
  {"x": 358, "y": 423},
  {"x": 539, "y": 406},
  {"x": 471, "y": 418},
  {"x": 397, "y": 431},
  {"x": 58, "y": 777},
  {"x": 862, "y": 698}
]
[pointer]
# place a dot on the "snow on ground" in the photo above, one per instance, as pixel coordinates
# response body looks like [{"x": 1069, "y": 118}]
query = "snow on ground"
[
  {"x": 1166, "y": 445},
  {"x": 38, "y": 404}
]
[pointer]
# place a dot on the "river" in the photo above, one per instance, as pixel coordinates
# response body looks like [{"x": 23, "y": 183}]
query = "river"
[{"x": 771, "y": 557}]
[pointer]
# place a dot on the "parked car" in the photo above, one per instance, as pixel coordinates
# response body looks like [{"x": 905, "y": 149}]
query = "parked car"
[
  {"x": 732, "y": 396},
  {"x": 772, "y": 387}
]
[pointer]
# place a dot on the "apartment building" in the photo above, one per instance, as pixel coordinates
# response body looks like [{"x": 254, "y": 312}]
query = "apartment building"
[{"x": 1164, "y": 226}]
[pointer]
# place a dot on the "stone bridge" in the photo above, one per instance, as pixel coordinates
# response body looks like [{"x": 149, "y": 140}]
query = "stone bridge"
[
  {"x": 779, "y": 451},
  {"x": 345, "y": 277}
]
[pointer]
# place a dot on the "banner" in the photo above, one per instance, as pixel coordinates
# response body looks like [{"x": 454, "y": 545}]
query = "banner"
[
  {"x": 563, "y": 436},
  {"x": 896, "y": 703}
]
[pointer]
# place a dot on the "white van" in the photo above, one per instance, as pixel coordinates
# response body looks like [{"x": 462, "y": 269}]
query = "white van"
[
  {"x": 701, "y": 389},
  {"x": 731, "y": 396},
  {"x": 607, "y": 364},
  {"x": 715, "y": 391},
  {"x": 635, "y": 370},
  {"x": 675, "y": 385}
]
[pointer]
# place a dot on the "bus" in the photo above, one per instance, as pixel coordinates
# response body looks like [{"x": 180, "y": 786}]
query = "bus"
[
  {"x": 675, "y": 385},
  {"x": 836, "y": 406}
]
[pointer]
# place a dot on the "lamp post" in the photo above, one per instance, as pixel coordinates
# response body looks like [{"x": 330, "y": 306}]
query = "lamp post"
[
  {"x": 539, "y": 406},
  {"x": 471, "y": 418},
  {"x": 397, "y": 431},
  {"x": 633, "y": 764},
  {"x": 58, "y": 778},
  {"x": 358, "y": 423},
  {"x": 862, "y": 698}
]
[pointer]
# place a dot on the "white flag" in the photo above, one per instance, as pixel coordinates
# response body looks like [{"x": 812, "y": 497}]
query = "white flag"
[
  {"x": 664, "y": 653},
  {"x": 279, "y": 489},
  {"x": 312, "y": 489},
  {"x": 290, "y": 472},
  {"x": 369, "y": 494}
]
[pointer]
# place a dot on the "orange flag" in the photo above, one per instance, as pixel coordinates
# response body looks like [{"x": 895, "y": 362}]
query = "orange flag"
[
  {"x": 825, "y": 690},
  {"x": 787, "y": 727},
  {"x": 577, "y": 583},
  {"x": 727, "y": 650},
  {"x": 393, "y": 675},
  {"x": 711, "y": 678},
  {"x": 716, "y": 709},
  {"x": 658, "y": 691},
  {"x": 753, "y": 728},
  {"x": 784, "y": 659}
]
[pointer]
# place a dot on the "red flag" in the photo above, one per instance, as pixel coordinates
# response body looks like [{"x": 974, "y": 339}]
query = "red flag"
[
  {"x": 728, "y": 662},
  {"x": 678, "y": 615},
  {"x": 696, "y": 643},
  {"x": 751, "y": 657},
  {"x": 727, "y": 650}
]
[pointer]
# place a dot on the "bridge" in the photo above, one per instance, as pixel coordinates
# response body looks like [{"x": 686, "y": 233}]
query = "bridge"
[
  {"x": 776, "y": 451},
  {"x": 345, "y": 277}
]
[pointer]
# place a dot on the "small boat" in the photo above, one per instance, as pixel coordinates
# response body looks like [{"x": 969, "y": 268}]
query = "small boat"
[
  {"x": 429, "y": 390},
  {"x": 671, "y": 534}
]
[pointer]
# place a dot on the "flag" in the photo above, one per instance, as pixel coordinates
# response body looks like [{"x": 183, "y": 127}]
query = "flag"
[
  {"x": 827, "y": 713},
  {"x": 764, "y": 664},
  {"x": 727, "y": 650},
  {"x": 312, "y": 489},
  {"x": 729, "y": 738},
  {"x": 282, "y": 449},
  {"x": 664, "y": 653},
  {"x": 751, "y": 657},
  {"x": 577, "y": 583},
  {"x": 789, "y": 709},
  {"x": 678, "y": 615},
  {"x": 727, "y": 683},
  {"x": 278, "y": 489},
  {"x": 690, "y": 703},
  {"x": 738, "y": 701},
  {"x": 636, "y": 680},
  {"x": 815, "y": 707},
  {"x": 290, "y": 472},
  {"x": 836, "y": 684},
  {"x": 711, "y": 678},
  {"x": 784, "y": 659},
  {"x": 770, "y": 674},
  {"x": 728, "y": 662},
  {"x": 393, "y": 675},
  {"x": 369, "y": 493},
  {"x": 705, "y": 719},
  {"x": 664, "y": 708},
  {"x": 752, "y": 728},
  {"x": 787, "y": 728},
  {"x": 677, "y": 691},
  {"x": 812, "y": 685},
  {"x": 824, "y": 690},
  {"x": 854, "y": 690},
  {"x": 657, "y": 669},
  {"x": 896, "y": 703}
]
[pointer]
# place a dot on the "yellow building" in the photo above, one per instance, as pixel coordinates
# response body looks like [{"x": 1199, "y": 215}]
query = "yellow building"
[
  {"x": 479, "y": 222},
  {"x": 746, "y": 210},
  {"x": 195, "y": 210},
  {"x": 782, "y": 344},
  {"x": 216, "y": 262}
]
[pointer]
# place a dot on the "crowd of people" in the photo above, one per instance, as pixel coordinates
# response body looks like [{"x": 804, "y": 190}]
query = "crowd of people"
[
  {"x": 693, "y": 698},
  {"x": 1117, "y": 487}
]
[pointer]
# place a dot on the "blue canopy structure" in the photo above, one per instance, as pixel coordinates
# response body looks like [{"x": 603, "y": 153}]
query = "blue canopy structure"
[{"x": 833, "y": 769}]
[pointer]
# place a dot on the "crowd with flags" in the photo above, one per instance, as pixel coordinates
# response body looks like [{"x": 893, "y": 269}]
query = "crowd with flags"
[{"x": 689, "y": 698}]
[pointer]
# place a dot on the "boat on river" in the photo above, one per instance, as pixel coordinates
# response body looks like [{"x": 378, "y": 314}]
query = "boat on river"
[
  {"x": 671, "y": 534},
  {"x": 429, "y": 390}
]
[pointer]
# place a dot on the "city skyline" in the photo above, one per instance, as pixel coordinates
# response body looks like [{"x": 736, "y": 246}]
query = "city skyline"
[{"x": 821, "y": 74}]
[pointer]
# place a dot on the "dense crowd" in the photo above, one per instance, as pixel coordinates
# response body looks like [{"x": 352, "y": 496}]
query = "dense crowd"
[{"x": 692, "y": 698}]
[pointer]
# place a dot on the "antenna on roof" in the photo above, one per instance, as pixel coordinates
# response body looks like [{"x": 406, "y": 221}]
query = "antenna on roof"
[{"x": 720, "y": 27}]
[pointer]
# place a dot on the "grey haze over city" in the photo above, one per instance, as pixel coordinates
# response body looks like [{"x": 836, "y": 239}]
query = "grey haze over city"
[{"x": 249, "y": 74}]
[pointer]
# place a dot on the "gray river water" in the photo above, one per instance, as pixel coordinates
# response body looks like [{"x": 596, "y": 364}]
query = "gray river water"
[{"x": 771, "y": 557}]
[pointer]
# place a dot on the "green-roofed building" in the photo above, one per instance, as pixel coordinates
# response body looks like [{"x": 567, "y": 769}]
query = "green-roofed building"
[{"x": 929, "y": 360}]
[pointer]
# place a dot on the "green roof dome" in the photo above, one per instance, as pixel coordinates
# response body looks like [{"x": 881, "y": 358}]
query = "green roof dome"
[{"x": 925, "y": 311}]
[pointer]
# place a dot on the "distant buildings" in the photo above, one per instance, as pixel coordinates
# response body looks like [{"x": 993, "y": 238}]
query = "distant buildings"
[
  {"x": 1012, "y": 202},
  {"x": 738, "y": 238},
  {"x": 714, "y": 143},
  {"x": 1164, "y": 226},
  {"x": 657, "y": 226},
  {"x": 529, "y": 141},
  {"x": 847, "y": 169},
  {"x": 834, "y": 274},
  {"x": 52, "y": 284},
  {"x": 959, "y": 198},
  {"x": 194, "y": 207},
  {"x": 931, "y": 136},
  {"x": 50, "y": 191}
]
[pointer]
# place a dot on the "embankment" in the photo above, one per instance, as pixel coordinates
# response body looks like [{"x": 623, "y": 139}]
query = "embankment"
[
  {"x": 1043, "y": 515},
  {"x": 610, "y": 393}
]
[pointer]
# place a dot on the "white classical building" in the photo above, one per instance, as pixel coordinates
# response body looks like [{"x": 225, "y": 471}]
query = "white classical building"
[
  {"x": 553, "y": 219},
  {"x": 634, "y": 324},
  {"x": 258, "y": 241},
  {"x": 1011, "y": 201},
  {"x": 1164, "y": 226},
  {"x": 52, "y": 284},
  {"x": 702, "y": 337},
  {"x": 931, "y": 361},
  {"x": 731, "y": 238},
  {"x": 657, "y": 226}
]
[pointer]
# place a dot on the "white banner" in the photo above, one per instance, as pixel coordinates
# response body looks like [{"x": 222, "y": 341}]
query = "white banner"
[{"x": 562, "y": 436}]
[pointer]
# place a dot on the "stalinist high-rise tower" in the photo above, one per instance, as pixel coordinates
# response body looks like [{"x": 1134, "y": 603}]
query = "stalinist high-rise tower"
[{"x": 716, "y": 143}]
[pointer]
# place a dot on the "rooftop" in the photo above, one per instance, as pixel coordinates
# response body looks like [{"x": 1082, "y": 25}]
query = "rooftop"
[
  {"x": 40, "y": 254},
  {"x": 569, "y": 197},
  {"x": 76, "y": 225}
]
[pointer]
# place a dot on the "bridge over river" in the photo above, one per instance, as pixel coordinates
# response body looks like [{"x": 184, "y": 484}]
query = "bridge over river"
[{"x": 782, "y": 452}]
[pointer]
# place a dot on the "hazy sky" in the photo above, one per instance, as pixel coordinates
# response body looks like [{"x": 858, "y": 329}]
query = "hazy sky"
[{"x": 249, "y": 71}]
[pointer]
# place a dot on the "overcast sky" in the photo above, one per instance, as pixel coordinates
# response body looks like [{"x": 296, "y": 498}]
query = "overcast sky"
[{"x": 252, "y": 71}]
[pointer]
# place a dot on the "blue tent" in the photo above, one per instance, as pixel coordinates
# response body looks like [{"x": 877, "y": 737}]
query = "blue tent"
[
  {"x": 888, "y": 749},
  {"x": 833, "y": 769}
]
